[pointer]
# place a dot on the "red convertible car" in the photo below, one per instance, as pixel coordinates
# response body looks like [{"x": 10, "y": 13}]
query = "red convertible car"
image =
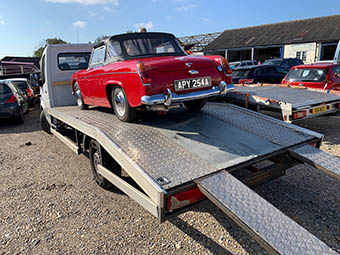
[{"x": 148, "y": 71}]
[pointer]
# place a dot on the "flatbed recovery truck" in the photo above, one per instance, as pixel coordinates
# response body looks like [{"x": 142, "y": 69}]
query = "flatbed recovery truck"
[{"x": 179, "y": 159}]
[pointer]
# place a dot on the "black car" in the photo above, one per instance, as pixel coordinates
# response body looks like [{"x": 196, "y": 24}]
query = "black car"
[
  {"x": 286, "y": 63},
  {"x": 258, "y": 74},
  {"x": 13, "y": 102},
  {"x": 25, "y": 86}
]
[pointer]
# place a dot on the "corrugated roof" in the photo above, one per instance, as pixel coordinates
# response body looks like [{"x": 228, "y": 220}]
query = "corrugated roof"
[{"x": 320, "y": 29}]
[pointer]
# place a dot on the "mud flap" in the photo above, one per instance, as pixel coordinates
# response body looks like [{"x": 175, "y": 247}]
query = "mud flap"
[
  {"x": 319, "y": 159},
  {"x": 276, "y": 232}
]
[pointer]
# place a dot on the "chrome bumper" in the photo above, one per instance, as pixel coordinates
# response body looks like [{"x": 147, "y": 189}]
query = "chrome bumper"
[{"x": 171, "y": 97}]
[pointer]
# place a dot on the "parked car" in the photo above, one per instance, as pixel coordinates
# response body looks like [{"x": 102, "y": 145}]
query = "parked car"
[
  {"x": 13, "y": 103},
  {"x": 258, "y": 74},
  {"x": 320, "y": 75},
  {"x": 26, "y": 87},
  {"x": 237, "y": 64},
  {"x": 148, "y": 71},
  {"x": 286, "y": 63}
]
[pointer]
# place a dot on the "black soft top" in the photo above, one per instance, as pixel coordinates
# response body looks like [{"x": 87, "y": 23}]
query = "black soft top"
[{"x": 128, "y": 36}]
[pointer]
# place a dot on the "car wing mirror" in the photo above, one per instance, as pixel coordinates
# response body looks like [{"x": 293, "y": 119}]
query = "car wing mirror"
[{"x": 40, "y": 83}]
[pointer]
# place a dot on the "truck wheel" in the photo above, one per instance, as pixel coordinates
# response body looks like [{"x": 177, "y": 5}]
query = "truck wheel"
[
  {"x": 121, "y": 107},
  {"x": 80, "y": 101},
  {"x": 20, "y": 118},
  {"x": 44, "y": 123},
  {"x": 96, "y": 158},
  {"x": 195, "y": 105}
]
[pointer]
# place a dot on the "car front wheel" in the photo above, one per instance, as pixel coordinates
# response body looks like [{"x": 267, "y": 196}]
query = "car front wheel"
[
  {"x": 80, "y": 101},
  {"x": 121, "y": 107},
  {"x": 195, "y": 105}
]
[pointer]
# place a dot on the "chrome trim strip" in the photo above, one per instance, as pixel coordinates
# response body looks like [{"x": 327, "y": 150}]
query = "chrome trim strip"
[
  {"x": 104, "y": 74},
  {"x": 169, "y": 97}
]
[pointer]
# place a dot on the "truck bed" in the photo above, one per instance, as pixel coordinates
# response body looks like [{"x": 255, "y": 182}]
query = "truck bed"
[{"x": 183, "y": 146}]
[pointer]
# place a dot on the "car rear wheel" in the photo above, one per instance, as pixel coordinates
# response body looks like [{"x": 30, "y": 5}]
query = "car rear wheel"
[
  {"x": 195, "y": 105},
  {"x": 96, "y": 158},
  {"x": 80, "y": 101},
  {"x": 121, "y": 107},
  {"x": 20, "y": 118}
]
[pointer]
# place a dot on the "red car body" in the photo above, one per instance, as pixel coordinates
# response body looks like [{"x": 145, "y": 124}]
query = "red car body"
[
  {"x": 148, "y": 76},
  {"x": 316, "y": 76}
]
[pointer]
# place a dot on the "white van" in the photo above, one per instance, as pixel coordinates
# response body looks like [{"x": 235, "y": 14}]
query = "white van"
[{"x": 58, "y": 63}]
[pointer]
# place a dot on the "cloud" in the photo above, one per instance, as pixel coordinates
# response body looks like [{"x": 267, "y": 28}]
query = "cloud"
[
  {"x": 79, "y": 24},
  {"x": 2, "y": 21},
  {"x": 148, "y": 25},
  {"x": 204, "y": 19},
  {"x": 186, "y": 7},
  {"x": 84, "y": 2}
]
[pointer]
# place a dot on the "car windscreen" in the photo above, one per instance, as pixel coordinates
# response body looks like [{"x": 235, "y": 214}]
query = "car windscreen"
[
  {"x": 21, "y": 84},
  {"x": 272, "y": 62},
  {"x": 152, "y": 47},
  {"x": 241, "y": 73},
  {"x": 4, "y": 89},
  {"x": 307, "y": 75}
]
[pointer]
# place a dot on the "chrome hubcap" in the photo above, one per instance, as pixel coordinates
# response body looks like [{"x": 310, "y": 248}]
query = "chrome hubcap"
[
  {"x": 120, "y": 103},
  {"x": 97, "y": 161},
  {"x": 78, "y": 94}
]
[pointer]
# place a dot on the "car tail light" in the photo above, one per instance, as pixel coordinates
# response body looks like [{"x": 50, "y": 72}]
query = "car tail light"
[
  {"x": 143, "y": 74},
  {"x": 29, "y": 92},
  {"x": 299, "y": 115},
  {"x": 184, "y": 198},
  {"x": 225, "y": 65},
  {"x": 11, "y": 100},
  {"x": 246, "y": 81}
]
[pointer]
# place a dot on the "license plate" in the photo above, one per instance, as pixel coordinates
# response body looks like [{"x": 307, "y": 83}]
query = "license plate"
[
  {"x": 192, "y": 83},
  {"x": 319, "y": 109}
]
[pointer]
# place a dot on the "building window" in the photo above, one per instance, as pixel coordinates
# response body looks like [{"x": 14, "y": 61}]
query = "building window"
[
  {"x": 298, "y": 54},
  {"x": 304, "y": 56}
]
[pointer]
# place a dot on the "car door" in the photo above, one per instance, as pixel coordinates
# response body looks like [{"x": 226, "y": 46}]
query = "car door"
[
  {"x": 279, "y": 74},
  {"x": 95, "y": 76}
]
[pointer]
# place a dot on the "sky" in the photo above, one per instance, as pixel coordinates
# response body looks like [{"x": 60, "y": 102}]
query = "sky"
[{"x": 25, "y": 24}]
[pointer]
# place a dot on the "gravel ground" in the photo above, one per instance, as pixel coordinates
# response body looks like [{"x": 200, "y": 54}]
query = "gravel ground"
[{"x": 51, "y": 205}]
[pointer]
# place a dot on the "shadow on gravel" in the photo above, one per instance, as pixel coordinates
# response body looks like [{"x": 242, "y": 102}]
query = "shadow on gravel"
[
  {"x": 199, "y": 237},
  {"x": 31, "y": 124}
]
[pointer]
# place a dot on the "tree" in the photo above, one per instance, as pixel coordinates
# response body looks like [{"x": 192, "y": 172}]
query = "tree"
[
  {"x": 99, "y": 38},
  {"x": 39, "y": 51}
]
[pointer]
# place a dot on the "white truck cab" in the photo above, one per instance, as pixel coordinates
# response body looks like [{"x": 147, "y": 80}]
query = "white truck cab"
[{"x": 58, "y": 63}]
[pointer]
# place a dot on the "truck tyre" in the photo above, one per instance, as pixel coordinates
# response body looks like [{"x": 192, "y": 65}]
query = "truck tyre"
[
  {"x": 44, "y": 123},
  {"x": 96, "y": 158},
  {"x": 80, "y": 101},
  {"x": 121, "y": 106},
  {"x": 195, "y": 105},
  {"x": 20, "y": 118}
]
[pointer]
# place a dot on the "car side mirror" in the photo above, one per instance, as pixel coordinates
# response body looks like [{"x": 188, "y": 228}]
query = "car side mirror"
[{"x": 40, "y": 83}]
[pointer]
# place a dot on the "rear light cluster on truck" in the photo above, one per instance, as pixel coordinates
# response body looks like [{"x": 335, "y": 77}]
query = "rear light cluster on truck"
[
  {"x": 11, "y": 100},
  {"x": 183, "y": 198},
  {"x": 143, "y": 74},
  {"x": 246, "y": 81}
]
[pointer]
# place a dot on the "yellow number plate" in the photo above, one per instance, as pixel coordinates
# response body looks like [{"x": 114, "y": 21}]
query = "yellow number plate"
[{"x": 319, "y": 109}]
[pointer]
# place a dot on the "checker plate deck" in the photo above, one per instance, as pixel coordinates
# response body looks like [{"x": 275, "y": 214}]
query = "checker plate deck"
[
  {"x": 184, "y": 146},
  {"x": 298, "y": 98}
]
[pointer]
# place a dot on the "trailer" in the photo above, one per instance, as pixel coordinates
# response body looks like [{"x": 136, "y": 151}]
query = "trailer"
[
  {"x": 167, "y": 163},
  {"x": 294, "y": 103}
]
